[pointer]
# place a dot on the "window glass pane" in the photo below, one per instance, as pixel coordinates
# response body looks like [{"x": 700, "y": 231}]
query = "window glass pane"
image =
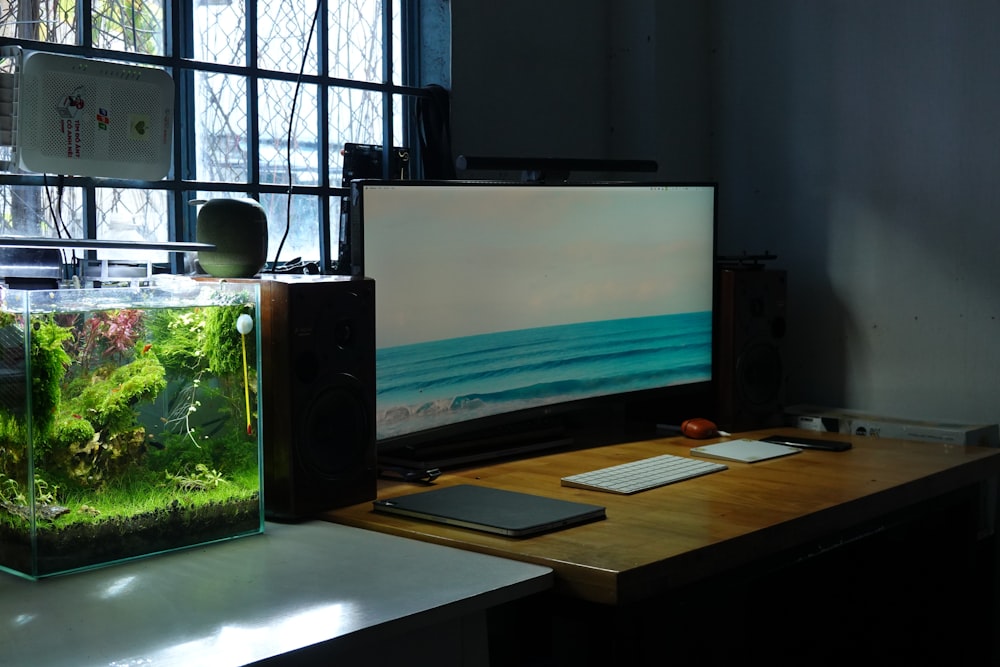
[
  {"x": 43, "y": 21},
  {"x": 220, "y": 31},
  {"x": 205, "y": 195},
  {"x": 355, "y": 117},
  {"x": 397, "y": 121},
  {"x": 221, "y": 128},
  {"x": 134, "y": 26},
  {"x": 301, "y": 224},
  {"x": 276, "y": 160},
  {"x": 132, "y": 215},
  {"x": 397, "y": 45},
  {"x": 338, "y": 226},
  {"x": 356, "y": 40},
  {"x": 31, "y": 210},
  {"x": 282, "y": 30}
]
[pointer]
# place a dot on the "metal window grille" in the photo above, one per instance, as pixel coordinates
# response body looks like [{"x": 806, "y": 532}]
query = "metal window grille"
[{"x": 238, "y": 67}]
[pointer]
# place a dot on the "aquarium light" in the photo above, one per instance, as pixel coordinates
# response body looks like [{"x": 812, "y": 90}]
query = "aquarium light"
[{"x": 101, "y": 244}]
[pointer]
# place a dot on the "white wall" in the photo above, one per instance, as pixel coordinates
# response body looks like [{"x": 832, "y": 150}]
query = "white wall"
[{"x": 860, "y": 142}]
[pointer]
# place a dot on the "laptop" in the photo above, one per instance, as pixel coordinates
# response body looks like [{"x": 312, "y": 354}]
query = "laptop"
[{"x": 497, "y": 511}]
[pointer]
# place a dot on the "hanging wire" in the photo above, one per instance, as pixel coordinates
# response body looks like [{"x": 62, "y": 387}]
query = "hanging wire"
[{"x": 291, "y": 131}]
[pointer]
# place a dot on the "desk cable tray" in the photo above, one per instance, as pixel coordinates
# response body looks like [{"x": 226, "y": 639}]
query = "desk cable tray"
[{"x": 643, "y": 474}]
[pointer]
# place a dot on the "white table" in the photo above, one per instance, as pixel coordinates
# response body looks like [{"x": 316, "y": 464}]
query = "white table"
[{"x": 297, "y": 594}]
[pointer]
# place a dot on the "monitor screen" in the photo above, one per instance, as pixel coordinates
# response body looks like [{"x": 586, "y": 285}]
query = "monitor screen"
[{"x": 509, "y": 299}]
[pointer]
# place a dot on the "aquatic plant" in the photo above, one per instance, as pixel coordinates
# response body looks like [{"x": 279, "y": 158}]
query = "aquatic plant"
[
  {"x": 223, "y": 350},
  {"x": 108, "y": 398},
  {"x": 49, "y": 362},
  {"x": 70, "y": 431},
  {"x": 202, "y": 479},
  {"x": 183, "y": 409},
  {"x": 12, "y": 438},
  {"x": 195, "y": 343},
  {"x": 180, "y": 339},
  {"x": 11, "y": 491},
  {"x": 121, "y": 330},
  {"x": 107, "y": 333},
  {"x": 44, "y": 492},
  {"x": 200, "y": 339},
  {"x": 97, "y": 432}
]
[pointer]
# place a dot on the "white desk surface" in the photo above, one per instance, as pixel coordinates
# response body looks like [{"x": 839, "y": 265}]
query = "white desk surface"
[{"x": 252, "y": 598}]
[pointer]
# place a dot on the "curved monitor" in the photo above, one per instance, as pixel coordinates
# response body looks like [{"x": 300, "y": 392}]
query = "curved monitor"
[{"x": 506, "y": 302}]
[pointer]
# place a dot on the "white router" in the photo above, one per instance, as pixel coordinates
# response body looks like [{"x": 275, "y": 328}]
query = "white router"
[{"x": 86, "y": 117}]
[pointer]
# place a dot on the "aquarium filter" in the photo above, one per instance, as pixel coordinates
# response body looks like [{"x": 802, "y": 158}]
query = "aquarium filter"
[{"x": 30, "y": 268}]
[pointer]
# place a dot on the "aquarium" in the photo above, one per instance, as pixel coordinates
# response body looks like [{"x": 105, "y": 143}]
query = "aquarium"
[{"x": 129, "y": 422}]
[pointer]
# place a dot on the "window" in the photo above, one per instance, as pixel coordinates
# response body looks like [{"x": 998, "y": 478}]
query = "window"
[{"x": 350, "y": 68}]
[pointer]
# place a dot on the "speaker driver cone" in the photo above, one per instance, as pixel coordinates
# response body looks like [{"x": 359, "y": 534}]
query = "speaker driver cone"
[{"x": 335, "y": 431}]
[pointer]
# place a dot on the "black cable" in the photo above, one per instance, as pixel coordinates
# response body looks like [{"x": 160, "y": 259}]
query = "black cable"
[
  {"x": 291, "y": 126},
  {"x": 434, "y": 128},
  {"x": 56, "y": 212}
]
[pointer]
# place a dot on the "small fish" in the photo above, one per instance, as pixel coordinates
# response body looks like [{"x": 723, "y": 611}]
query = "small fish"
[{"x": 145, "y": 348}]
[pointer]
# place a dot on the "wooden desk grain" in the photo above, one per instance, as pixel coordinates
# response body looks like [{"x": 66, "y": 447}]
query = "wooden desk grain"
[{"x": 668, "y": 537}]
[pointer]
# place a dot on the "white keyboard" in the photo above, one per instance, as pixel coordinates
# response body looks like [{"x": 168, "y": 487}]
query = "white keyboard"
[{"x": 644, "y": 474}]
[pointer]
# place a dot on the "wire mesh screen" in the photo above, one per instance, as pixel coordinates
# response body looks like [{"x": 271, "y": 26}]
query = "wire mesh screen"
[{"x": 241, "y": 131}]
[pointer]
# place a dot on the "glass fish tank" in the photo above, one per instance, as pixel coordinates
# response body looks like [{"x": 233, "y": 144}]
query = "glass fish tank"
[{"x": 129, "y": 422}]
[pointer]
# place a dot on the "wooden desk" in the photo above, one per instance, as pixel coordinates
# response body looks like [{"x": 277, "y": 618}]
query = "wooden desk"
[{"x": 667, "y": 538}]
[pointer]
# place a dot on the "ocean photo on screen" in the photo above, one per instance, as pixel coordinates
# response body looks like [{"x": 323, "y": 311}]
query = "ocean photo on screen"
[
  {"x": 431, "y": 384},
  {"x": 498, "y": 299}
]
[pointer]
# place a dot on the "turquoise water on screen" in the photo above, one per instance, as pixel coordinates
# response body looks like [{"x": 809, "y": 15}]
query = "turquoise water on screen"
[{"x": 436, "y": 383}]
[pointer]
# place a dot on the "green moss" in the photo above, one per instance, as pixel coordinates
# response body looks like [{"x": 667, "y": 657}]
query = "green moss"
[
  {"x": 107, "y": 400},
  {"x": 49, "y": 362},
  {"x": 71, "y": 431},
  {"x": 223, "y": 342},
  {"x": 179, "y": 337},
  {"x": 201, "y": 339}
]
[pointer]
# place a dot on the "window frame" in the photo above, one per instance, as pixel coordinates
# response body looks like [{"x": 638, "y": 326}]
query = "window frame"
[{"x": 181, "y": 184}]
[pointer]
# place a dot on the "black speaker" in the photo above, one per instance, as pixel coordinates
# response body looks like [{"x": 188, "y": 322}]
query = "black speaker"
[
  {"x": 317, "y": 393},
  {"x": 750, "y": 374}
]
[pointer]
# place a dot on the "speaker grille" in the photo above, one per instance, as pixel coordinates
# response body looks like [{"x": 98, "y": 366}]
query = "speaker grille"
[
  {"x": 335, "y": 427},
  {"x": 750, "y": 373},
  {"x": 760, "y": 375}
]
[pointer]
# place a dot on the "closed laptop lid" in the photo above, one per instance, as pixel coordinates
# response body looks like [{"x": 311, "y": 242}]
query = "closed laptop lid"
[{"x": 492, "y": 510}]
